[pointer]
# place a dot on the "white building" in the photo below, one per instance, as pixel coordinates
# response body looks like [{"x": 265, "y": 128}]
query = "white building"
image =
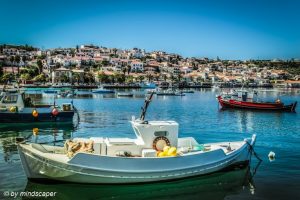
[{"x": 137, "y": 66}]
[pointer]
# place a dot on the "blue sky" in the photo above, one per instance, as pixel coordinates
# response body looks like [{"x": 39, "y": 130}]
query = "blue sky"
[{"x": 230, "y": 29}]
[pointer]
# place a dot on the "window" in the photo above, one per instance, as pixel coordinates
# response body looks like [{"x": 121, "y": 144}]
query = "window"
[
  {"x": 161, "y": 133},
  {"x": 10, "y": 99}
]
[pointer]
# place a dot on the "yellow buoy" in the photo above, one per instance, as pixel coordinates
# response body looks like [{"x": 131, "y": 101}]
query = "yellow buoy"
[
  {"x": 162, "y": 154},
  {"x": 13, "y": 109},
  {"x": 35, "y": 113},
  {"x": 166, "y": 148},
  {"x": 172, "y": 151},
  {"x": 35, "y": 131}
]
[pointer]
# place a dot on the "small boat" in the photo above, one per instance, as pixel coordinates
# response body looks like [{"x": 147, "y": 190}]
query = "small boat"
[
  {"x": 179, "y": 93},
  {"x": 157, "y": 154},
  {"x": 148, "y": 85},
  {"x": 103, "y": 91},
  {"x": 124, "y": 94},
  {"x": 187, "y": 91},
  {"x": 154, "y": 91},
  {"x": 168, "y": 92},
  {"x": 15, "y": 108},
  {"x": 245, "y": 100}
]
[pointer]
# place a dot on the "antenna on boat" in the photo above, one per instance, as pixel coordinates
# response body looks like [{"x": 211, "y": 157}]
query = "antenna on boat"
[{"x": 145, "y": 107}]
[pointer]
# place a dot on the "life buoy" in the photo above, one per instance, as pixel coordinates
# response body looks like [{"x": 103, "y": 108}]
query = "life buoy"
[
  {"x": 54, "y": 112},
  {"x": 35, "y": 113},
  {"x": 160, "y": 142}
]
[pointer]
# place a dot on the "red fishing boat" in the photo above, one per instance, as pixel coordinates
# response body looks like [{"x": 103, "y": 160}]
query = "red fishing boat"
[{"x": 244, "y": 100}]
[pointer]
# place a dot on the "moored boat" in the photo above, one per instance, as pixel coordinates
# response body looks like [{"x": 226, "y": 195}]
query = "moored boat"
[
  {"x": 168, "y": 92},
  {"x": 148, "y": 85},
  {"x": 103, "y": 91},
  {"x": 15, "y": 108},
  {"x": 157, "y": 154},
  {"x": 125, "y": 94},
  {"x": 245, "y": 100}
]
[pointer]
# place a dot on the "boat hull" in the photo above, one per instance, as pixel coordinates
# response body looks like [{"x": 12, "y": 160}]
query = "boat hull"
[
  {"x": 103, "y": 91},
  {"x": 121, "y": 170},
  {"x": 256, "y": 106},
  {"x": 63, "y": 116}
]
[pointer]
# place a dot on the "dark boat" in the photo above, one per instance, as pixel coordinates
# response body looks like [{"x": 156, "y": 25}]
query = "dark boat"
[
  {"x": 244, "y": 100},
  {"x": 15, "y": 108}
]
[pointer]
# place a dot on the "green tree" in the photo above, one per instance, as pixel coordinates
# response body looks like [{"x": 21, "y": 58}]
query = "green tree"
[
  {"x": 129, "y": 79},
  {"x": 89, "y": 77},
  {"x": 103, "y": 78},
  {"x": 40, "y": 78},
  {"x": 7, "y": 77},
  {"x": 40, "y": 66},
  {"x": 1, "y": 70},
  {"x": 25, "y": 77},
  {"x": 76, "y": 77},
  {"x": 141, "y": 78},
  {"x": 57, "y": 65},
  {"x": 149, "y": 77},
  {"x": 17, "y": 59},
  {"x": 120, "y": 78},
  {"x": 124, "y": 70},
  {"x": 105, "y": 63},
  {"x": 128, "y": 69},
  {"x": 72, "y": 52},
  {"x": 64, "y": 78},
  {"x": 24, "y": 59},
  {"x": 165, "y": 77},
  {"x": 12, "y": 59}
]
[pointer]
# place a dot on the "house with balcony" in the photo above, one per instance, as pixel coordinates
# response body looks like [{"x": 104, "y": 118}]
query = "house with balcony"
[{"x": 137, "y": 66}]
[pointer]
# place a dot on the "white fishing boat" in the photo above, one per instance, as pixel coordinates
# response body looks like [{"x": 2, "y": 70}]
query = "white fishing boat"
[
  {"x": 124, "y": 94},
  {"x": 156, "y": 154}
]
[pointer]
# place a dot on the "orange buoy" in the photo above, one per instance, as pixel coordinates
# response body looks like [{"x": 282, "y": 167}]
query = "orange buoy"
[
  {"x": 54, "y": 112},
  {"x": 35, "y": 113}
]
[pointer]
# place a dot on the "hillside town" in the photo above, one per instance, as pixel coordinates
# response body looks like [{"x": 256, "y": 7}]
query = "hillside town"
[{"x": 92, "y": 65}]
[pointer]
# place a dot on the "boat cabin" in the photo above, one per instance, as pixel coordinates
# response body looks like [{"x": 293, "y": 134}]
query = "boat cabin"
[
  {"x": 12, "y": 99},
  {"x": 151, "y": 137}
]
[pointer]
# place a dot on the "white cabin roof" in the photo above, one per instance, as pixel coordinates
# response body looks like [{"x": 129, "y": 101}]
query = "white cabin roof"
[{"x": 157, "y": 123}]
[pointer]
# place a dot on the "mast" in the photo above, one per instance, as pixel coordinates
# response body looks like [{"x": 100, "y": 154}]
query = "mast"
[{"x": 145, "y": 107}]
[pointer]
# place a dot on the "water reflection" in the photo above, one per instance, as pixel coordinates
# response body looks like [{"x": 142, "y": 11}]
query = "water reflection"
[
  {"x": 214, "y": 186},
  {"x": 47, "y": 133}
]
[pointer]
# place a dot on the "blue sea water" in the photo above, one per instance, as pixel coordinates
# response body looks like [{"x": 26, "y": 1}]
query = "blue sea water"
[{"x": 199, "y": 116}]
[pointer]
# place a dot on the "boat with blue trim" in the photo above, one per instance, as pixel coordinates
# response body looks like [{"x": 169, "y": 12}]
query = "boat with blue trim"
[{"x": 16, "y": 108}]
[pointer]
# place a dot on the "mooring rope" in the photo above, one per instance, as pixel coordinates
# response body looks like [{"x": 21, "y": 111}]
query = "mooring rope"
[{"x": 253, "y": 151}]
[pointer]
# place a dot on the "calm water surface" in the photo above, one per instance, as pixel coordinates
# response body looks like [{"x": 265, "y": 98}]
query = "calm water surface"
[{"x": 199, "y": 116}]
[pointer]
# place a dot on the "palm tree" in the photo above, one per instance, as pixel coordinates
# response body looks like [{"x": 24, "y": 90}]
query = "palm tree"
[
  {"x": 18, "y": 59},
  {"x": 12, "y": 59},
  {"x": 128, "y": 69},
  {"x": 115, "y": 51},
  {"x": 150, "y": 77},
  {"x": 165, "y": 77},
  {"x": 76, "y": 77},
  {"x": 25, "y": 77},
  {"x": 40, "y": 66},
  {"x": 124, "y": 70}
]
